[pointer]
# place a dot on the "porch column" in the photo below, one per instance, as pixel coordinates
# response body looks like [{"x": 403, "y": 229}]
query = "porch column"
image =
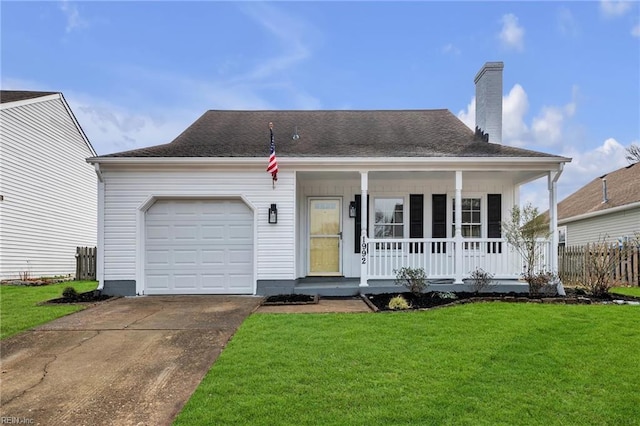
[
  {"x": 364, "y": 187},
  {"x": 458, "y": 229},
  {"x": 552, "y": 180},
  {"x": 553, "y": 222}
]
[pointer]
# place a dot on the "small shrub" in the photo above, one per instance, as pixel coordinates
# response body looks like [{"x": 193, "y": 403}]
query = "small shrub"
[
  {"x": 69, "y": 293},
  {"x": 414, "y": 279},
  {"x": 481, "y": 280},
  {"x": 398, "y": 303},
  {"x": 446, "y": 295},
  {"x": 599, "y": 268},
  {"x": 540, "y": 282}
]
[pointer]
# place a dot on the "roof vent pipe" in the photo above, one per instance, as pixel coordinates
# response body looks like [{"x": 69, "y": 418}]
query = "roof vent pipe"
[{"x": 604, "y": 190}]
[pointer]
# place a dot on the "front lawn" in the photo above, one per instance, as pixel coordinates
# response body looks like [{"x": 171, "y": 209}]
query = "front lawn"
[
  {"x": 485, "y": 363},
  {"x": 629, "y": 291},
  {"x": 20, "y": 310}
]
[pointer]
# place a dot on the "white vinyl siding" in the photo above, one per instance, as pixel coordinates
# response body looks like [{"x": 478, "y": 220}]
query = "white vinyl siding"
[
  {"x": 126, "y": 191},
  {"x": 49, "y": 191},
  {"x": 607, "y": 227}
]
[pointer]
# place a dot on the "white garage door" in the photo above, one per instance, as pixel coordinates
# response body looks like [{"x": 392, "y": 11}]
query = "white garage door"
[{"x": 199, "y": 247}]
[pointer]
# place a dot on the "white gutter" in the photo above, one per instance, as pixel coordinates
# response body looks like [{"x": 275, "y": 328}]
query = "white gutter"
[
  {"x": 599, "y": 213},
  {"x": 371, "y": 163},
  {"x": 98, "y": 172}
]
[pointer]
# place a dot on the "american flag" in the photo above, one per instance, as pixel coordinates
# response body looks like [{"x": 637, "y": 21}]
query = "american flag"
[{"x": 273, "y": 162}]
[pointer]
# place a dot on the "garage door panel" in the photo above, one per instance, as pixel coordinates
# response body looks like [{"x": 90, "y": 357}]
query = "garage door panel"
[
  {"x": 157, "y": 281},
  {"x": 240, "y": 233},
  {"x": 185, "y": 257},
  {"x": 185, "y": 232},
  {"x": 214, "y": 281},
  {"x": 158, "y": 232},
  {"x": 185, "y": 281},
  {"x": 158, "y": 257},
  {"x": 199, "y": 247},
  {"x": 212, "y": 232},
  {"x": 240, "y": 257},
  {"x": 213, "y": 257}
]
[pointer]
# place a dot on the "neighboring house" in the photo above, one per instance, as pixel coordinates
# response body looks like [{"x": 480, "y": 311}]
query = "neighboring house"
[
  {"x": 358, "y": 195},
  {"x": 47, "y": 190},
  {"x": 606, "y": 209}
]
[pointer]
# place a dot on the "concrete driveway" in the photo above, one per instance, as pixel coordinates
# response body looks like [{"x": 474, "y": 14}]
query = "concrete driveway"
[{"x": 132, "y": 361}]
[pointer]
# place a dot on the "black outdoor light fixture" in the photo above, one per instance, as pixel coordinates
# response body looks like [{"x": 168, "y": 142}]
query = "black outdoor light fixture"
[
  {"x": 352, "y": 209},
  {"x": 273, "y": 214}
]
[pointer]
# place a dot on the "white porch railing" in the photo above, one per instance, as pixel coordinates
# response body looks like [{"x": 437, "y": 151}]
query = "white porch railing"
[{"x": 437, "y": 257}]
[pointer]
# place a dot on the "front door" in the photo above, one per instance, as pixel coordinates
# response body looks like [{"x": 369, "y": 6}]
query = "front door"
[{"x": 325, "y": 236}]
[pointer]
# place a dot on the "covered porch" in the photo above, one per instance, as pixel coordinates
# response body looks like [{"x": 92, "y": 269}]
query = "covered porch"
[{"x": 446, "y": 220}]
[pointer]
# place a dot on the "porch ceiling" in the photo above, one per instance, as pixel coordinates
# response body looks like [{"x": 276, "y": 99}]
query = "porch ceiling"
[{"x": 515, "y": 177}]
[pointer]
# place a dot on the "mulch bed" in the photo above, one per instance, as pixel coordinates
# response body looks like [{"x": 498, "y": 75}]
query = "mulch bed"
[
  {"x": 86, "y": 297},
  {"x": 432, "y": 299},
  {"x": 291, "y": 299}
]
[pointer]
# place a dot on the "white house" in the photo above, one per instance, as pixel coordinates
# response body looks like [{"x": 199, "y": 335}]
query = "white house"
[
  {"x": 358, "y": 195},
  {"x": 47, "y": 190},
  {"x": 605, "y": 209}
]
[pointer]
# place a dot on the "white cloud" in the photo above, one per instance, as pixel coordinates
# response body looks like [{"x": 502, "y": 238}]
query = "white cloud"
[
  {"x": 567, "y": 24},
  {"x": 512, "y": 34},
  {"x": 290, "y": 31},
  {"x": 112, "y": 128},
  {"x": 612, "y": 8},
  {"x": 468, "y": 116},
  {"x": 584, "y": 167},
  {"x": 635, "y": 31},
  {"x": 514, "y": 108},
  {"x": 450, "y": 49},
  {"x": 74, "y": 20}
]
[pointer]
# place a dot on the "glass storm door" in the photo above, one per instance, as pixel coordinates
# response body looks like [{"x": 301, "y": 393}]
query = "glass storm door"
[{"x": 324, "y": 236}]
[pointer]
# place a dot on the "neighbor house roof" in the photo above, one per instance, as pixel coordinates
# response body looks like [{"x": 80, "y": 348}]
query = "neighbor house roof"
[
  {"x": 623, "y": 188},
  {"x": 21, "y": 95},
  {"x": 398, "y": 133}
]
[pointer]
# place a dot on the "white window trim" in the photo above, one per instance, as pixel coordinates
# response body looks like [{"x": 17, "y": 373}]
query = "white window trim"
[
  {"x": 483, "y": 212},
  {"x": 405, "y": 215}
]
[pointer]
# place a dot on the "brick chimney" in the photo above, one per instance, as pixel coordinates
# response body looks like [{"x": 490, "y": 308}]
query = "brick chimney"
[{"x": 489, "y": 101}]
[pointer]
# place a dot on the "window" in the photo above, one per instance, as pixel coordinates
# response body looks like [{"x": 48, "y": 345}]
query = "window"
[
  {"x": 562, "y": 235},
  {"x": 389, "y": 218},
  {"x": 471, "y": 220}
]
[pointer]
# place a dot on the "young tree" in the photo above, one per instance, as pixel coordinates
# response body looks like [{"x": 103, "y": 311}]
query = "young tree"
[
  {"x": 633, "y": 153},
  {"x": 522, "y": 231}
]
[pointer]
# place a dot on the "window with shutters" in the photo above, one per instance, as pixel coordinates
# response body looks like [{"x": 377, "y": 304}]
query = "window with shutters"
[
  {"x": 471, "y": 221},
  {"x": 388, "y": 219}
]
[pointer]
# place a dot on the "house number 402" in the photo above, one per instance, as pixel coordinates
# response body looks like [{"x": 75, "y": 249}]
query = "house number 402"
[{"x": 363, "y": 251}]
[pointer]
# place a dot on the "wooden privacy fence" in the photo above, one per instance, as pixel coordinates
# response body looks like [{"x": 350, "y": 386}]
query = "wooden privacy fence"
[
  {"x": 86, "y": 263},
  {"x": 625, "y": 265}
]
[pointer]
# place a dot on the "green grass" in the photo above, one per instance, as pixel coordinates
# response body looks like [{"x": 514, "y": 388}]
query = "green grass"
[
  {"x": 477, "y": 364},
  {"x": 629, "y": 291},
  {"x": 20, "y": 310}
]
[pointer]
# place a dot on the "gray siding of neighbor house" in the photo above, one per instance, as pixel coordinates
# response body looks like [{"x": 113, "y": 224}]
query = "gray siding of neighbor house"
[{"x": 608, "y": 227}]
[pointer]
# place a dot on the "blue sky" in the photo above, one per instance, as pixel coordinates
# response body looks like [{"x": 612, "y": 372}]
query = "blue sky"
[{"x": 138, "y": 73}]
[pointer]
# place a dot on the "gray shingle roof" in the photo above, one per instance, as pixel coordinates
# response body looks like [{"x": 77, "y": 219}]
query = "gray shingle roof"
[
  {"x": 403, "y": 133},
  {"x": 623, "y": 187},
  {"x": 21, "y": 95}
]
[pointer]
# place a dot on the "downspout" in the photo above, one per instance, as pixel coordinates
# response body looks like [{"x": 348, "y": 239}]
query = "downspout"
[
  {"x": 100, "y": 237},
  {"x": 553, "y": 223}
]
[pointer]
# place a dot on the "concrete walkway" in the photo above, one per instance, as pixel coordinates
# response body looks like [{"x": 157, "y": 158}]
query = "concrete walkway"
[
  {"x": 132, "y": 361},
  {"x": 324, "y": 305}
]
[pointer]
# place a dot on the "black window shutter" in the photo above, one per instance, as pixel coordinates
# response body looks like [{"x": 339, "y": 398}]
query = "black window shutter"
[
  {"x": 439, "y": 221},
  {"x": 494, "y": 221},
  {"x": 358, "y": 222},
  {"x": 416, "y": 221}
]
